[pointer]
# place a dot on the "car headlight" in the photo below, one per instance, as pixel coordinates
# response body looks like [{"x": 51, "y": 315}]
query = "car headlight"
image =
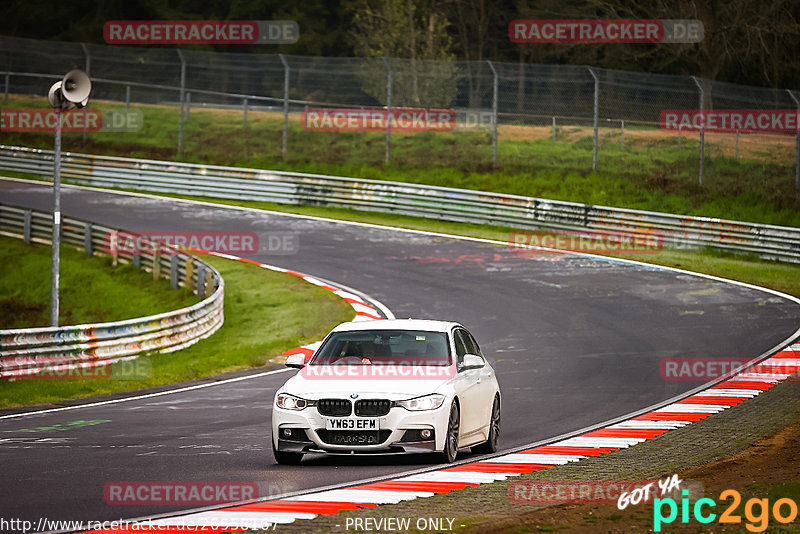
[
  {"x": 428, "y": 402},
  {"x": 290, "y": 402}
]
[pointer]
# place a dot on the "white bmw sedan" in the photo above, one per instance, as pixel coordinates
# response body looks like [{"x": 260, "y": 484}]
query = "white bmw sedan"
[{"x": 388, "y": 387}]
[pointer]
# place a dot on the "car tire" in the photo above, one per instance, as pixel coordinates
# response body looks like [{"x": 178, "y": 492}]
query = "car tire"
[
  {"x": 286, "y": 458},
  {"x": 490, "y": 445},
  {"x": 448, "y": 455}
]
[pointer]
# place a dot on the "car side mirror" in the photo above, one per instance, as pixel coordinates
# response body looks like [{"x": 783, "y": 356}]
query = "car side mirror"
[
  {"x": 472, "y": 361},
  {"x": 297, "y": 361}
]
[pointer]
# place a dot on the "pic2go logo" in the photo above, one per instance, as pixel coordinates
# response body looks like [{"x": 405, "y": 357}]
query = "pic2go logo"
[{"x": 756, "y": 511}]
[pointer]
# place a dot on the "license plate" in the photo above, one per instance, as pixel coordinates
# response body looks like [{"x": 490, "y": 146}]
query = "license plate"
[{"x": 352, "y": 423}]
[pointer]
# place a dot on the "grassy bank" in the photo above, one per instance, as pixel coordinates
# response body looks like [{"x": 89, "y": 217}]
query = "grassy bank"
[
  {"x": 266, "y": 313},
  {"x": 91, "y": 289},
  {"x": 649, "y": 173}
]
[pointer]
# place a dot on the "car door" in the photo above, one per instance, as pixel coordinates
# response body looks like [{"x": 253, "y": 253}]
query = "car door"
[
  {"x": 485, "y": 382},
  {"x": 468, "y": 387}
]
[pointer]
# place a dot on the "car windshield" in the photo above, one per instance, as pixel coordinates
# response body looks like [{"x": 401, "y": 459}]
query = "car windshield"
[{"x": 386, "y": 347}]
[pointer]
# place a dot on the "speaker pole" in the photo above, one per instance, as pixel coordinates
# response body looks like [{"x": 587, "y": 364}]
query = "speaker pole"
[
  {"x": 73, "y": 90},
  {"x": 54, "y": 275}
]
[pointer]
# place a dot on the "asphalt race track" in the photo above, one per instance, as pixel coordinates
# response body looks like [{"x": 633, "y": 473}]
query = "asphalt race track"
[{"x": 575, "y": 341}]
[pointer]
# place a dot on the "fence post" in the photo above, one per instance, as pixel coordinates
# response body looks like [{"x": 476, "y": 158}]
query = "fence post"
[
  {"x": 622, "y": 134},
  {"x": 796, "y": 146},
  {"x": 88, "y": 71},
  {"x": 285, "y": 104},
  {"x": 494, "y": 113},
  {"x": 554, "y": 129},
  {"x": 182, "y": 89},
  {"x": 388, "y": 107},
  {"x": 596, "y": 113},
  {"x": 702, "y": 129}
]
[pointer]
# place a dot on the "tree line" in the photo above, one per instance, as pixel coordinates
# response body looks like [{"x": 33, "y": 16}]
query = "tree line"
[{"x": 752, "y": 42}]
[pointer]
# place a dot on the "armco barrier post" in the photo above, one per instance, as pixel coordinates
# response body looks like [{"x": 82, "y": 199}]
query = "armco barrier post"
[
  {"x": 156, "y": 265},
  {"x": 173, "y": 271},
  {"x": 189, "y": 272},
  {"x": 285, "y": 104},
  {"x": 554, "y": 129},
  {"x": 244, "y": 110},
  {"x": 182, "y": 89},
  {"x": 87, "y": 238},
  {"x": 388, "y": 107},
  {"x": 26, "y": 227},
  {"x": 209, "y": 285},
  {"x": 494, "y": 114},
  {"x": 796, "y": 146},
  {"x": 127, "y": 98},
  {"x": 702, "y": 129},
  {"x": 201, "y": 281},
  {"x": 596, "y": 114}
]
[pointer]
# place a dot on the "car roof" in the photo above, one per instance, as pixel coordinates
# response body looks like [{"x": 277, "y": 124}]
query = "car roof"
[{"x": 397, "y": 324}]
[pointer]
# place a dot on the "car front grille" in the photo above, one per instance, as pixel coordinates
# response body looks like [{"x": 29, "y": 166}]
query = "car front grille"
[
  {"x": 373, "y": 407},
  {"x": 334, "y": 407},
  {"x": 349, "y": 437}
]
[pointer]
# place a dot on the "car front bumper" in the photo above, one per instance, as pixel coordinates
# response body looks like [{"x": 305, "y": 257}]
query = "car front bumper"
[{"x": 398, "y": 432}]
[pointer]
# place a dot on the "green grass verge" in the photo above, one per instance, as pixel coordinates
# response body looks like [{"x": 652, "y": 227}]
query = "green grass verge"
[
  {"x": 266, "y": 313},
  {"x": 92, "y": 290},
  {"x": 649, "y": 173}
]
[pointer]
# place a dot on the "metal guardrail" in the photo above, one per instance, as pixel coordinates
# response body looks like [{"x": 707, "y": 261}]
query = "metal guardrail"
[
  {"x": 443, "y": 203},
  {"x": 29, "y": 351}
]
